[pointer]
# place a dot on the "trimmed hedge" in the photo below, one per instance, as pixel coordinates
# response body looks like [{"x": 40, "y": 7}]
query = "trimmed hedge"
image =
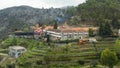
[{"x": 68, "y": 41}]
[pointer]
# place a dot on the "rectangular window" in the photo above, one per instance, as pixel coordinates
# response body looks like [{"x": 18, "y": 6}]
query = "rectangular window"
[{"x": 69, "y": 35}]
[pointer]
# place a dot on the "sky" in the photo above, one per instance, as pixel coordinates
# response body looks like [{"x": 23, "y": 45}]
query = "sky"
[{"x": 40, "y": 3}]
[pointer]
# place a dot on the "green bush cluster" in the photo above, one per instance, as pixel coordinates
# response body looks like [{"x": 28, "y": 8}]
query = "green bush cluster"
[{"x": 27, "y": 43}]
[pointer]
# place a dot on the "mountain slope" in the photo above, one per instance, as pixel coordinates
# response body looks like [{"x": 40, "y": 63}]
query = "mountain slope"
[{"x": 23, "y": 16}]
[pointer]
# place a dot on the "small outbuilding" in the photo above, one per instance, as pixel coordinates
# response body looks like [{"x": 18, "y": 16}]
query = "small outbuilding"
[
  {"x": 16, "y": 51},
  {"x": 92, "y": 40}
]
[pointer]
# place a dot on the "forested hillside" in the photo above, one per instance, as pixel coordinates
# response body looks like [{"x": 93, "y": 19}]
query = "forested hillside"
[{"x": 96, "y": 11}]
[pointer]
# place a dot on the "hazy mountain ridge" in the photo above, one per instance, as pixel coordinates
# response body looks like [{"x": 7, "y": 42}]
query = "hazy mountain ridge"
[{"x": 31, "y": 15}]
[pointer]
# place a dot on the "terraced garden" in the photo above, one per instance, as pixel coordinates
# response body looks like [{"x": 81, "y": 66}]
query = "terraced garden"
[{"x": 64, "y": 56}]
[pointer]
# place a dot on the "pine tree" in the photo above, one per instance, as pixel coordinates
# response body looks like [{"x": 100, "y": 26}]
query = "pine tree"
[
  {"x": 115, "y": 23},
  {"x": 105, "y": 30}
]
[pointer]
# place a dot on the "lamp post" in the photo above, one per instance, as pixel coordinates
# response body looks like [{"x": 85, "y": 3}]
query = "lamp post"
[
  {"x": 96, "y": 50},
  {"x": 119, "y": 33},
  {"x": 94, "y": 63},
  {"x": 94, "y": 45}
]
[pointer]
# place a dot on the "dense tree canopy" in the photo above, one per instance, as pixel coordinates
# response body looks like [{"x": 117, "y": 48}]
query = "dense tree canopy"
[{"x": 94, "y": 9}]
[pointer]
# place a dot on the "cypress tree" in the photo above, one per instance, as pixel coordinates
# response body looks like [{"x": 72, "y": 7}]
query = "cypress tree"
[{"x": 55, "y": 25}]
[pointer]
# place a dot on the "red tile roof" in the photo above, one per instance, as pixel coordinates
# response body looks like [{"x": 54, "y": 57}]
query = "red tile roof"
[{"x": 72, "y": 29}]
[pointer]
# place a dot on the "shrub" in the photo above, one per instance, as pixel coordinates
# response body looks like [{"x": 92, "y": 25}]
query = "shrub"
[
  {"x": 81, "y": 62},
  {"x": 117, "y": 45},
  {"x": 108, "y": 58}
]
